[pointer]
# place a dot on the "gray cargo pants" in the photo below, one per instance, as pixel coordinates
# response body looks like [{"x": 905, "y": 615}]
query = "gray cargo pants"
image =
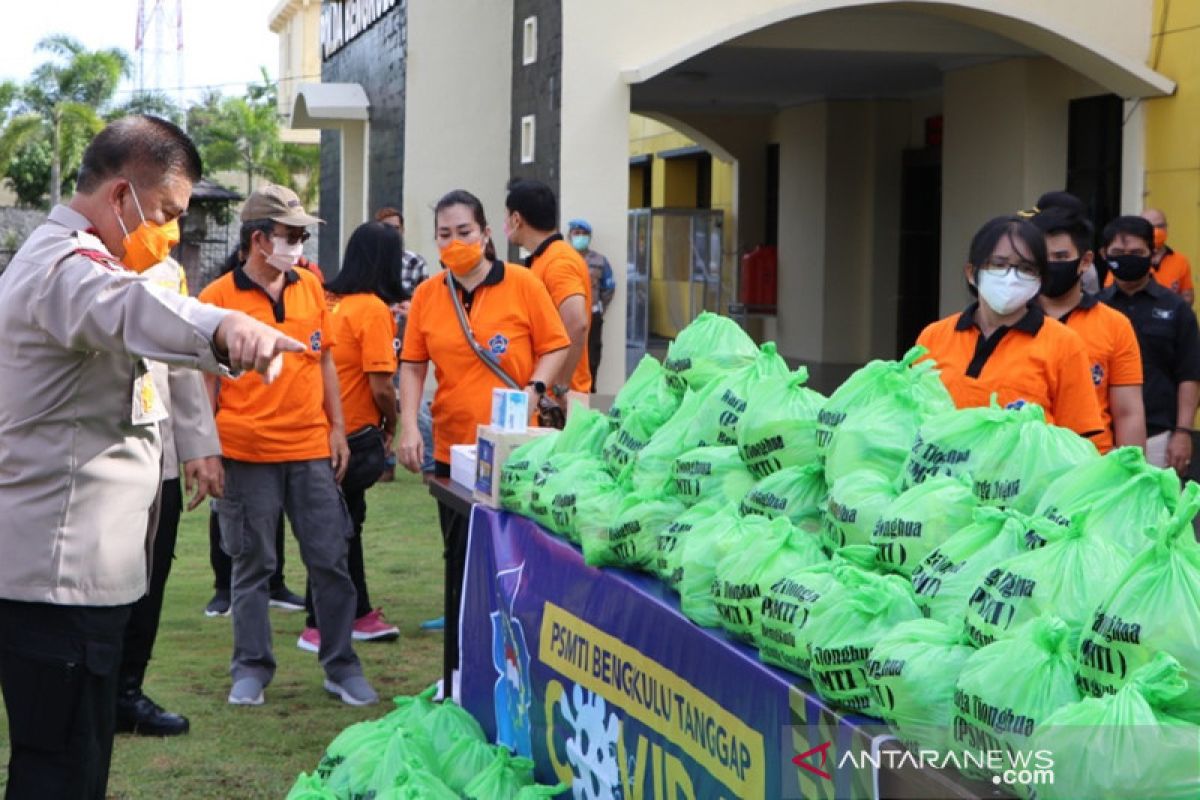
[{"x": 254, "y": 496}]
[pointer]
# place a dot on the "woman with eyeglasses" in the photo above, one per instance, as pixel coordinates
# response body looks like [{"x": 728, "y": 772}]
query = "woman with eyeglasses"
[{"x": 1004, "y": 344}]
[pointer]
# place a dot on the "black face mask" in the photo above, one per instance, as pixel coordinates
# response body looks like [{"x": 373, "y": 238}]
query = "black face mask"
[
  {"x": 1061, "y": 276},
  {"x": 1129, "y": 268}
]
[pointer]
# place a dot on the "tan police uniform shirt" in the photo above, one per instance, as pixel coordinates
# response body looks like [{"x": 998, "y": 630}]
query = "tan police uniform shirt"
[{"x": 80, "y": 452}]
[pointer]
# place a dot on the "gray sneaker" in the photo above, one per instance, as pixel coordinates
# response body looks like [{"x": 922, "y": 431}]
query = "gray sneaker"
[
  {"x": 354, "y": 691},
  {"x": 246, "y": 692}
]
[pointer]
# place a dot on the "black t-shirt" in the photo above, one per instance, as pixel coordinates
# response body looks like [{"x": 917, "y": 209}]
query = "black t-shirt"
[{"x": 1170, "y": 343}]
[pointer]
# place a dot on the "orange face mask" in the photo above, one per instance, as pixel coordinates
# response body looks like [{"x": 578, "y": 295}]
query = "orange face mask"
[
  {"x": 1160, "y": 238},
  {"x": 460, "y": 257},
  {"x": 149, "y": 243}
]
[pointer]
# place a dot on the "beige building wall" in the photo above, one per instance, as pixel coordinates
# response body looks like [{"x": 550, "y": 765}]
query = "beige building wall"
[
  {"x": 298, "y": 25},
  {"x": 458, "y": 113}
]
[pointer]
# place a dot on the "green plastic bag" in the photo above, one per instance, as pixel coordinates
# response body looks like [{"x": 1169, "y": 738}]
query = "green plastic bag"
[
  {"x": 406, "y": 750},
  {"x": 584, "y": 433},
  {"x": 310, "y": 787},
  {"x": 1009, "y": 688},
  {"x": 536, "y": 792},
  {"x": 797, "y": 493},
  {"x": 545, "y": 481},
  {"x": 708, "y": 349},
  {"x": 706, "y": 544},
  {"x": 517, "y": 474},
  {"x": 562, "y": 492},
  {"x": 651, "y": 473},
  {"x": 884, "y": 381},
  {"x": 920, "y": 520},
  {"x": 631, "y": 540},
  {"x": 716, "y": 422},
  {"x": 787, "y": 607},
  {"x": 410, "y": 710},
  {"x": 1124, "y": 745},
  {"x": 779, "y": 428},
  {"x": 596, "y": 510},
  {"x": 912, "y": 673},
  {"x": 708, "y": 472},
  {"x": 465, "y": 759},
  {"x": 1122, "y": 496},
  {"x": 846, "y": 623},
  {"x": 856, "y": 503},
  {"x": 622, "y": 446},
  {"x": 1067, "y": 577},
  {"x": 945, "y": 579},
  {"x": 449, "y": 723},
  {"x": 954, "y": 442},
  {"x": 353, "y": 777},
  {"x": 644, "y": 379},
  {"x": 1040, "y": 453},
  {"x": 502, "y": 779},
  {"x": 417, "y": 785},
  {"x": 746, "y": 573},
  {"x": 877, "y": 438},
  {"x": 1154, "y": 607},
  {"x": 369, "y": 736},
  {"x": 669, "y": 541}
]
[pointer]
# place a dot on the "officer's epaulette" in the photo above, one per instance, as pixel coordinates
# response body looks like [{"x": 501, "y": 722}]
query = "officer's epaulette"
[{"x": 100, "y": 257}]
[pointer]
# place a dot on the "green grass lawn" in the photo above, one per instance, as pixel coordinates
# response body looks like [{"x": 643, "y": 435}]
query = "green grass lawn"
[{"x": 256, "y": 752}]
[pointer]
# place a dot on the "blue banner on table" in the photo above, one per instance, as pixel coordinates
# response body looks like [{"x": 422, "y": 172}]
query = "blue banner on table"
[{"x": 597, "y": 676}]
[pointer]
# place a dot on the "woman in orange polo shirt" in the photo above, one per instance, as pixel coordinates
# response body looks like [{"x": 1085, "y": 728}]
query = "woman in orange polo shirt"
[
  {"x": 1004, "y": 344},
  {"x": 365, "y": 357},
  {"x": 510, "y": 314}
]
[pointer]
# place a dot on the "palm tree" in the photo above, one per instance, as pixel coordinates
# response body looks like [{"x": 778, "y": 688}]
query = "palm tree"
[{"x": 62, "y": 101}]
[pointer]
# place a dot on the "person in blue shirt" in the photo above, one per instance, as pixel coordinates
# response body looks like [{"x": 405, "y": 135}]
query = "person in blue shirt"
[{"x": 603, "y": 287}]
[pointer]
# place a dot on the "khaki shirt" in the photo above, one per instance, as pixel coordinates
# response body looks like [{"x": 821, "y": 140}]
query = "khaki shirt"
[
  {"x": 189, "y": 432},
  {"x": 80, "y": 452}
]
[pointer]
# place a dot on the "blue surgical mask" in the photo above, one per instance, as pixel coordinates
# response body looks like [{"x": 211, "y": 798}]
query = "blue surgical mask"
[{"x": 581, "y": 243}]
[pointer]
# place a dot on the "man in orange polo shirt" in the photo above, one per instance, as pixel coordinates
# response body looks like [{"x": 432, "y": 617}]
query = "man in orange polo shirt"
[
  {"x": 285, "y": 450},
  {"x": 1116, "y": 361},
  {"x": 1171, "y": 268},
  {"x": 532, "y": 223}
]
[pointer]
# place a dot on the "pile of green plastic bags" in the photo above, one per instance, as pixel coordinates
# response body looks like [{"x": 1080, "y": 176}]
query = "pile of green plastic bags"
[
  {"x": 422, "y": 750},
  {"x": 971, "y": 577}
]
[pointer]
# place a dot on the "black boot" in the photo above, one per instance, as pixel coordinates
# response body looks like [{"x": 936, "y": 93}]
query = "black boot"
[{"x": 138, "y": 714}]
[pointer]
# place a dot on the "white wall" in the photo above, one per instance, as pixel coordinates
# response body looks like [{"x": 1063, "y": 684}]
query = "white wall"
[{"x": 458, "y": 107}]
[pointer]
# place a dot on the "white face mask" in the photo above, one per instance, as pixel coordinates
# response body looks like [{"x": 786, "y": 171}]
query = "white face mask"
[
  {"x": 1005, "y": 294},
  {"x": 285, "y": 255}
]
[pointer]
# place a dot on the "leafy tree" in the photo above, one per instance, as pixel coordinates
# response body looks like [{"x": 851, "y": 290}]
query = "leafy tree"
[
  {"x": 157, "y": 104},
  {"x": 60, "y": 105}
]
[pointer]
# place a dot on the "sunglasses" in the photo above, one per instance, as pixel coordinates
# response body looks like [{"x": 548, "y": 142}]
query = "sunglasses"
[{"x": 292, "y": 237}]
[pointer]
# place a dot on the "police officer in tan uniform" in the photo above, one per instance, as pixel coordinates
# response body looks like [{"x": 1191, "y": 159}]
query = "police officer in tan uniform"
[{"x": 80, "y": 448}]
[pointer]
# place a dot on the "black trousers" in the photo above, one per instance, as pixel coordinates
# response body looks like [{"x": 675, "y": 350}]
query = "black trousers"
[
  {"x": 58, "y": 671},
  {"x": 455, "y": 528},
  {"x": 356, "y": 504},
  {"x": 222, "y": 564},
  {"x": 142, "y": 629},
  {"x": 595, "y": 335}
]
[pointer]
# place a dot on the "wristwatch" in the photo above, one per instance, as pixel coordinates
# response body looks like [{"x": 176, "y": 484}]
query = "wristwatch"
[
  {"x": 560, "y": 389},
  {"x": 538, "y": 386}
]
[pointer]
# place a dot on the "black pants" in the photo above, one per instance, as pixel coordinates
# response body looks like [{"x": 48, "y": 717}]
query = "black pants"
[
  {"x": 595, "y": 334},
  {"x": 356, "y": 504},
  {"x": 222, "y": 564},
  {"x": 455, "y": 528},
  {"x": 58, "y": 671},
  {"x": 142, "y": 629}
]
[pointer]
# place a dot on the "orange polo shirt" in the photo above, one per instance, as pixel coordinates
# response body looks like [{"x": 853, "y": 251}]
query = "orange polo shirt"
[
  {"x": 510, "y": 313},
  {"x": 1113, "y": 353},
  {"x": 565, "y": 273},
  {"x": 366, "y": 337},
  {"x": 1037, "y": 360},
  {"x": 283, "y": 421}
]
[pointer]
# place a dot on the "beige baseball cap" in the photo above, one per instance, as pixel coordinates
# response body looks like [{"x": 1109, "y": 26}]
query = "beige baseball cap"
[{"x": 277, "y": 203}]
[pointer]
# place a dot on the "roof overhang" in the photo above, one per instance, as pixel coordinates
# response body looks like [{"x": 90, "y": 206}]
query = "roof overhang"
[{"x": 329, "y": 105}]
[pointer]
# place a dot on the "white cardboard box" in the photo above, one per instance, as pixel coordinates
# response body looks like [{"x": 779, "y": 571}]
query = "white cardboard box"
[
  {"x": 510, "y": 410},
  {"x": 462, "y": 464}
]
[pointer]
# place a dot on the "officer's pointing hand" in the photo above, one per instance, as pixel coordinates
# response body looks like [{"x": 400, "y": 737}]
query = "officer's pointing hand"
[{"x": 251, "y": 345}]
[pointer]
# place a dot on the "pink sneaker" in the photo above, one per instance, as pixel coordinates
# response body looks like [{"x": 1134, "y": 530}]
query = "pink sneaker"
[
  {"x": 310, "y": 640},
  {"x": 371, "y": 627}
]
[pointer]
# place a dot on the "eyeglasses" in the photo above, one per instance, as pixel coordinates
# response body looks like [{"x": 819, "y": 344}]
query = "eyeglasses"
[
  {"x": 293, "y": 237},
  {"x": 1001, "y": 268}
]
